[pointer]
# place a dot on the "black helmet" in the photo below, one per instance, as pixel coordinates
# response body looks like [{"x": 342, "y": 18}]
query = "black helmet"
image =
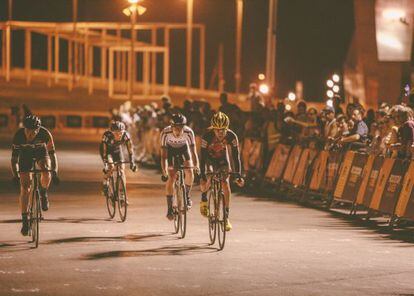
[
  {"x": 32, "y": 122},
  {"x": 117, "y": 126},
  {"x": 178, "y": 119}
]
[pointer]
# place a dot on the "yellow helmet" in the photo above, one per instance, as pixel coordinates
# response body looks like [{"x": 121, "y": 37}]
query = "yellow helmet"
[{"x": 220, "y": 121}]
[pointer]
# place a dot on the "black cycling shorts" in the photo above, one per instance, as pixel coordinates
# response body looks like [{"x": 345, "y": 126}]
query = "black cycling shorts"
[
  {"x": 114, "y": 155},
  {"x": 177, "y": 156},
  {"x": 29, "y": 156},
  {"x": 215, "y": 164}
]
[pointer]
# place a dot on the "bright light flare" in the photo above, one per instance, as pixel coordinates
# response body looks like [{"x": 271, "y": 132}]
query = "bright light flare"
[
  {"x": 330, "y": 83},
  {"x": 336, "y": 78},
  {"x": 134, "y": 1},
  {"x": 335, "y": 89},
  {"x": 393, "y": 14},
  {"x": 291, "y": 96},
  {"x": 288, "y": 107},
  {"x": 261, "y": 76},
  {"x": 329, "y": 103},
  {"x": 330, "y": 94},
  {"x": 390, "y": 41},
  {"x": 264, "y": 88}
]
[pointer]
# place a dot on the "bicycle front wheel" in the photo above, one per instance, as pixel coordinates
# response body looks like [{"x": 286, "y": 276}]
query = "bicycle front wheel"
[
  {"x": 110, "y": 199},
  {"x": 182, "y": 210},
  {"x": 35, "y": 217},
  {"x": 212, "y": 218},
  {"x": 122, "y": 199},
  {"x": 222, "y": 221}
]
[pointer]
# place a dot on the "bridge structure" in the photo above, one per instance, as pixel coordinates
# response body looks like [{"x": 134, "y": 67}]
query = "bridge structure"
[{"x": 95, "y": 56}]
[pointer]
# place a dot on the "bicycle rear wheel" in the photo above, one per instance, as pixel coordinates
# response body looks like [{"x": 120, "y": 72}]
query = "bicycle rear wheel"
[
  {"x": 122, "y": 199},
  {"x": 35, "y": 218},
  {"x": 212, "y": 218},
  {"x": 110, "y": 199},
  {"x": 222, "y": 220}
]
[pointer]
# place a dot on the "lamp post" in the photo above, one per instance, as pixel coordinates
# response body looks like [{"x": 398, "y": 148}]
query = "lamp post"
[
  {"x": 239, "y": 33},
  {"x": 132, "y": 11},
  {"x": 189, "y": 43}
]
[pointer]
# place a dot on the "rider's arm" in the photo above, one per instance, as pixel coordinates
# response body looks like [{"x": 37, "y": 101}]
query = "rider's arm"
[
  {"x": 203, "y": 157},
  {"x": 52, "y": 152},
  {"x": 235, "y": 152},
  {"x": 193, "y": 148},
  {"x": 15, "y": 156},
  {"x": 130, "y": 149},
  {"x": 163, "y": 154}
]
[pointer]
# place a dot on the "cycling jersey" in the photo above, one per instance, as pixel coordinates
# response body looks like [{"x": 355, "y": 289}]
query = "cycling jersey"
[
  {"x": 44, "y": 145},
  {"x": 113, "y": 147},
  {"x": 177, "y": 147},
  {"x": 215, "y": 152}
]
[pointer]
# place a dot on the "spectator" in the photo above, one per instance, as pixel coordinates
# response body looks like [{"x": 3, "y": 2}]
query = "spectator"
[
  {"x": 257, "y": 102},
  {"x": 358, "y": 134},
  {"x": 405, "y": 131}
]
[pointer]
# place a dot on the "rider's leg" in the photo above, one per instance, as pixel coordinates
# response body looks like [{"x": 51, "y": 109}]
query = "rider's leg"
[
  {"x": 169, "y": 193},
  {"x": 225, "y": 184},
  {"x": 45, "y": 178},
  {"x": 188, "y": 179},
  {"x": 25, "y": 187}
]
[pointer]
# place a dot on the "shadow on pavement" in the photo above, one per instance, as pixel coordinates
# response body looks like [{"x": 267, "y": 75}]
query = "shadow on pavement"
[
  {"x": 162, "y": 251},
  {"x": 77, "y": 220},
  {"x": 11, "y": 221},
  {"x": 15, "y": 246},
  {"x": 130, "y": 237}
]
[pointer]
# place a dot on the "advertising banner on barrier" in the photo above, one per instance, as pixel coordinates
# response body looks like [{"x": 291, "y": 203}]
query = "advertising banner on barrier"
[
  {"x": 278, "y": 162},
  {"x": 292, "y": 164},
  {"x": 372, "y": 181},
  {"x": 319, "y": 171},
  {"x": 391, "y": 192},
  {"x": 405, "y": 205},
  {"x": 305, "y": 160},
  {"x": 334, "y": 161},
  {"x": 350, "y": 176},
  {"x": 366, "y": 173},
  {"x": 383, "y": 176}
]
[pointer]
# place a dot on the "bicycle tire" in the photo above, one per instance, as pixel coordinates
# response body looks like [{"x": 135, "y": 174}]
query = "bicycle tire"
[
  {"x": 222, "y": 219},
  {"x": 110, "y": 199},
  {"x": 212, "y": 218},
  {"x": 176, "y": 212},
  {"x": 182, "y": 208},
  {"x": 35, "y": 218},
  {"x": 122, "y": 199}
]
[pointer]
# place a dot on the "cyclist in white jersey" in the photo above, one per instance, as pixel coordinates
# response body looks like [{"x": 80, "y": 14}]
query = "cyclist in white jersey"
[{"x": 178, "y": 149}]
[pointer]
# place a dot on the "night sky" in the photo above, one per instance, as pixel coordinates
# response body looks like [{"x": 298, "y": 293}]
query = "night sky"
[{"x": 313, "y": 36}]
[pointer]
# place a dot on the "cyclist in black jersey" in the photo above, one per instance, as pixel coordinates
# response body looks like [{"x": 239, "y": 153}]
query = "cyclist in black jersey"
[
  {"x": 178, "y": 149},
  {"x": 215, "y": 156},
  {"x": 110, "y": 150},
  {"x": 33, "y": 144}
]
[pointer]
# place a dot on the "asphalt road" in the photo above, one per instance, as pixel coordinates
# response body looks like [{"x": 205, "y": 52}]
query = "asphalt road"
[{"x": 275, "y": 248}]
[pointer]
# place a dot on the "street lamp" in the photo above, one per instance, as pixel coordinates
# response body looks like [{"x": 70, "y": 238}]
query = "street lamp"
[
  {"x": 264, "y": 88},
  {"x": 291, "y": 96},
  {"x": 132, "y": 11},
  {"x": 261, "y": 77},
  {"x": 330, "y": 94},
  {"x": 330, "y": 83},
  {"x": 336, "y": 78},
  {"x": 335, "y": 89}
]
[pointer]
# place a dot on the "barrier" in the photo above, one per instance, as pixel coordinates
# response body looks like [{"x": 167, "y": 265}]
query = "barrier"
[
  {"x": 278, "y": 162},
  {"x": 306, "y": 159},
  {"x": 319, "y": 169},
  {"x": 292, "y": 164},
  {"x": 350, "y": 177},
  {"x": 365, "y": 194},
  {"x": 405, "y": 204},
  {"x": 251, "y": 155}
]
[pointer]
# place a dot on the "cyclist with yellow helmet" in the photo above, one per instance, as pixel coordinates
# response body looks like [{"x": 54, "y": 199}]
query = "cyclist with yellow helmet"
[{"x": 215, "y": 154}]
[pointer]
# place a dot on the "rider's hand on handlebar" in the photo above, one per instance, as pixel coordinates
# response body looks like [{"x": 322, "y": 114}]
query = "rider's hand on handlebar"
[
  {"x": 55, "y": 178},
  {"x": 164, "y": 178},
  {"x": 133, "y": 167},
  {"x": 197, "y": 170},
  {"x": 16, "y": 181}
]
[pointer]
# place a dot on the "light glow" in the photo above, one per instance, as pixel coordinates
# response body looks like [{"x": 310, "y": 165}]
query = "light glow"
[
  {"x": 389, "y": 41},
  {"x": 329, "y": 103},
  {"x": 264, "y": 88},
  {"x": 330, "y": 83},
  {"x": 288, "y": 107},
  {"x": 291, "y": 96},
  {"x": 330, "y": 94},
  {"x": 261, "y": 76},
  {"x": 335, "y": 89},
  {"x": 394, "y": 14},
  {"x": 336, "y": 78}
]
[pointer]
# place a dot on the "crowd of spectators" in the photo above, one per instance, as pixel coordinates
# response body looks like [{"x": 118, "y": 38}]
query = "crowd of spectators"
[{"x": 388, "y": 131}]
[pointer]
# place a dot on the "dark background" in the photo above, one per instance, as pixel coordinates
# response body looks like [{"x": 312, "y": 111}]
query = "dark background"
[{"x": 313, "y": 36}]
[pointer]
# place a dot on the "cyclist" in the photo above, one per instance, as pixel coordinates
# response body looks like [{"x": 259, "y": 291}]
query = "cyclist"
[
  {"x": 215, "y": 155},
  {"x": 33, "y": 143},
  {"x": 111, "y": 151},
  {"x": 177, "y": 148}
]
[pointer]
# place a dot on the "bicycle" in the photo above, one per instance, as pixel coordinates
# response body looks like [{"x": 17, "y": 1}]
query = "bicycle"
[
  {"x": 180, "y": 206},
  {"x": 217, "y": 217},
  {"x": 116, "y": 194}
]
